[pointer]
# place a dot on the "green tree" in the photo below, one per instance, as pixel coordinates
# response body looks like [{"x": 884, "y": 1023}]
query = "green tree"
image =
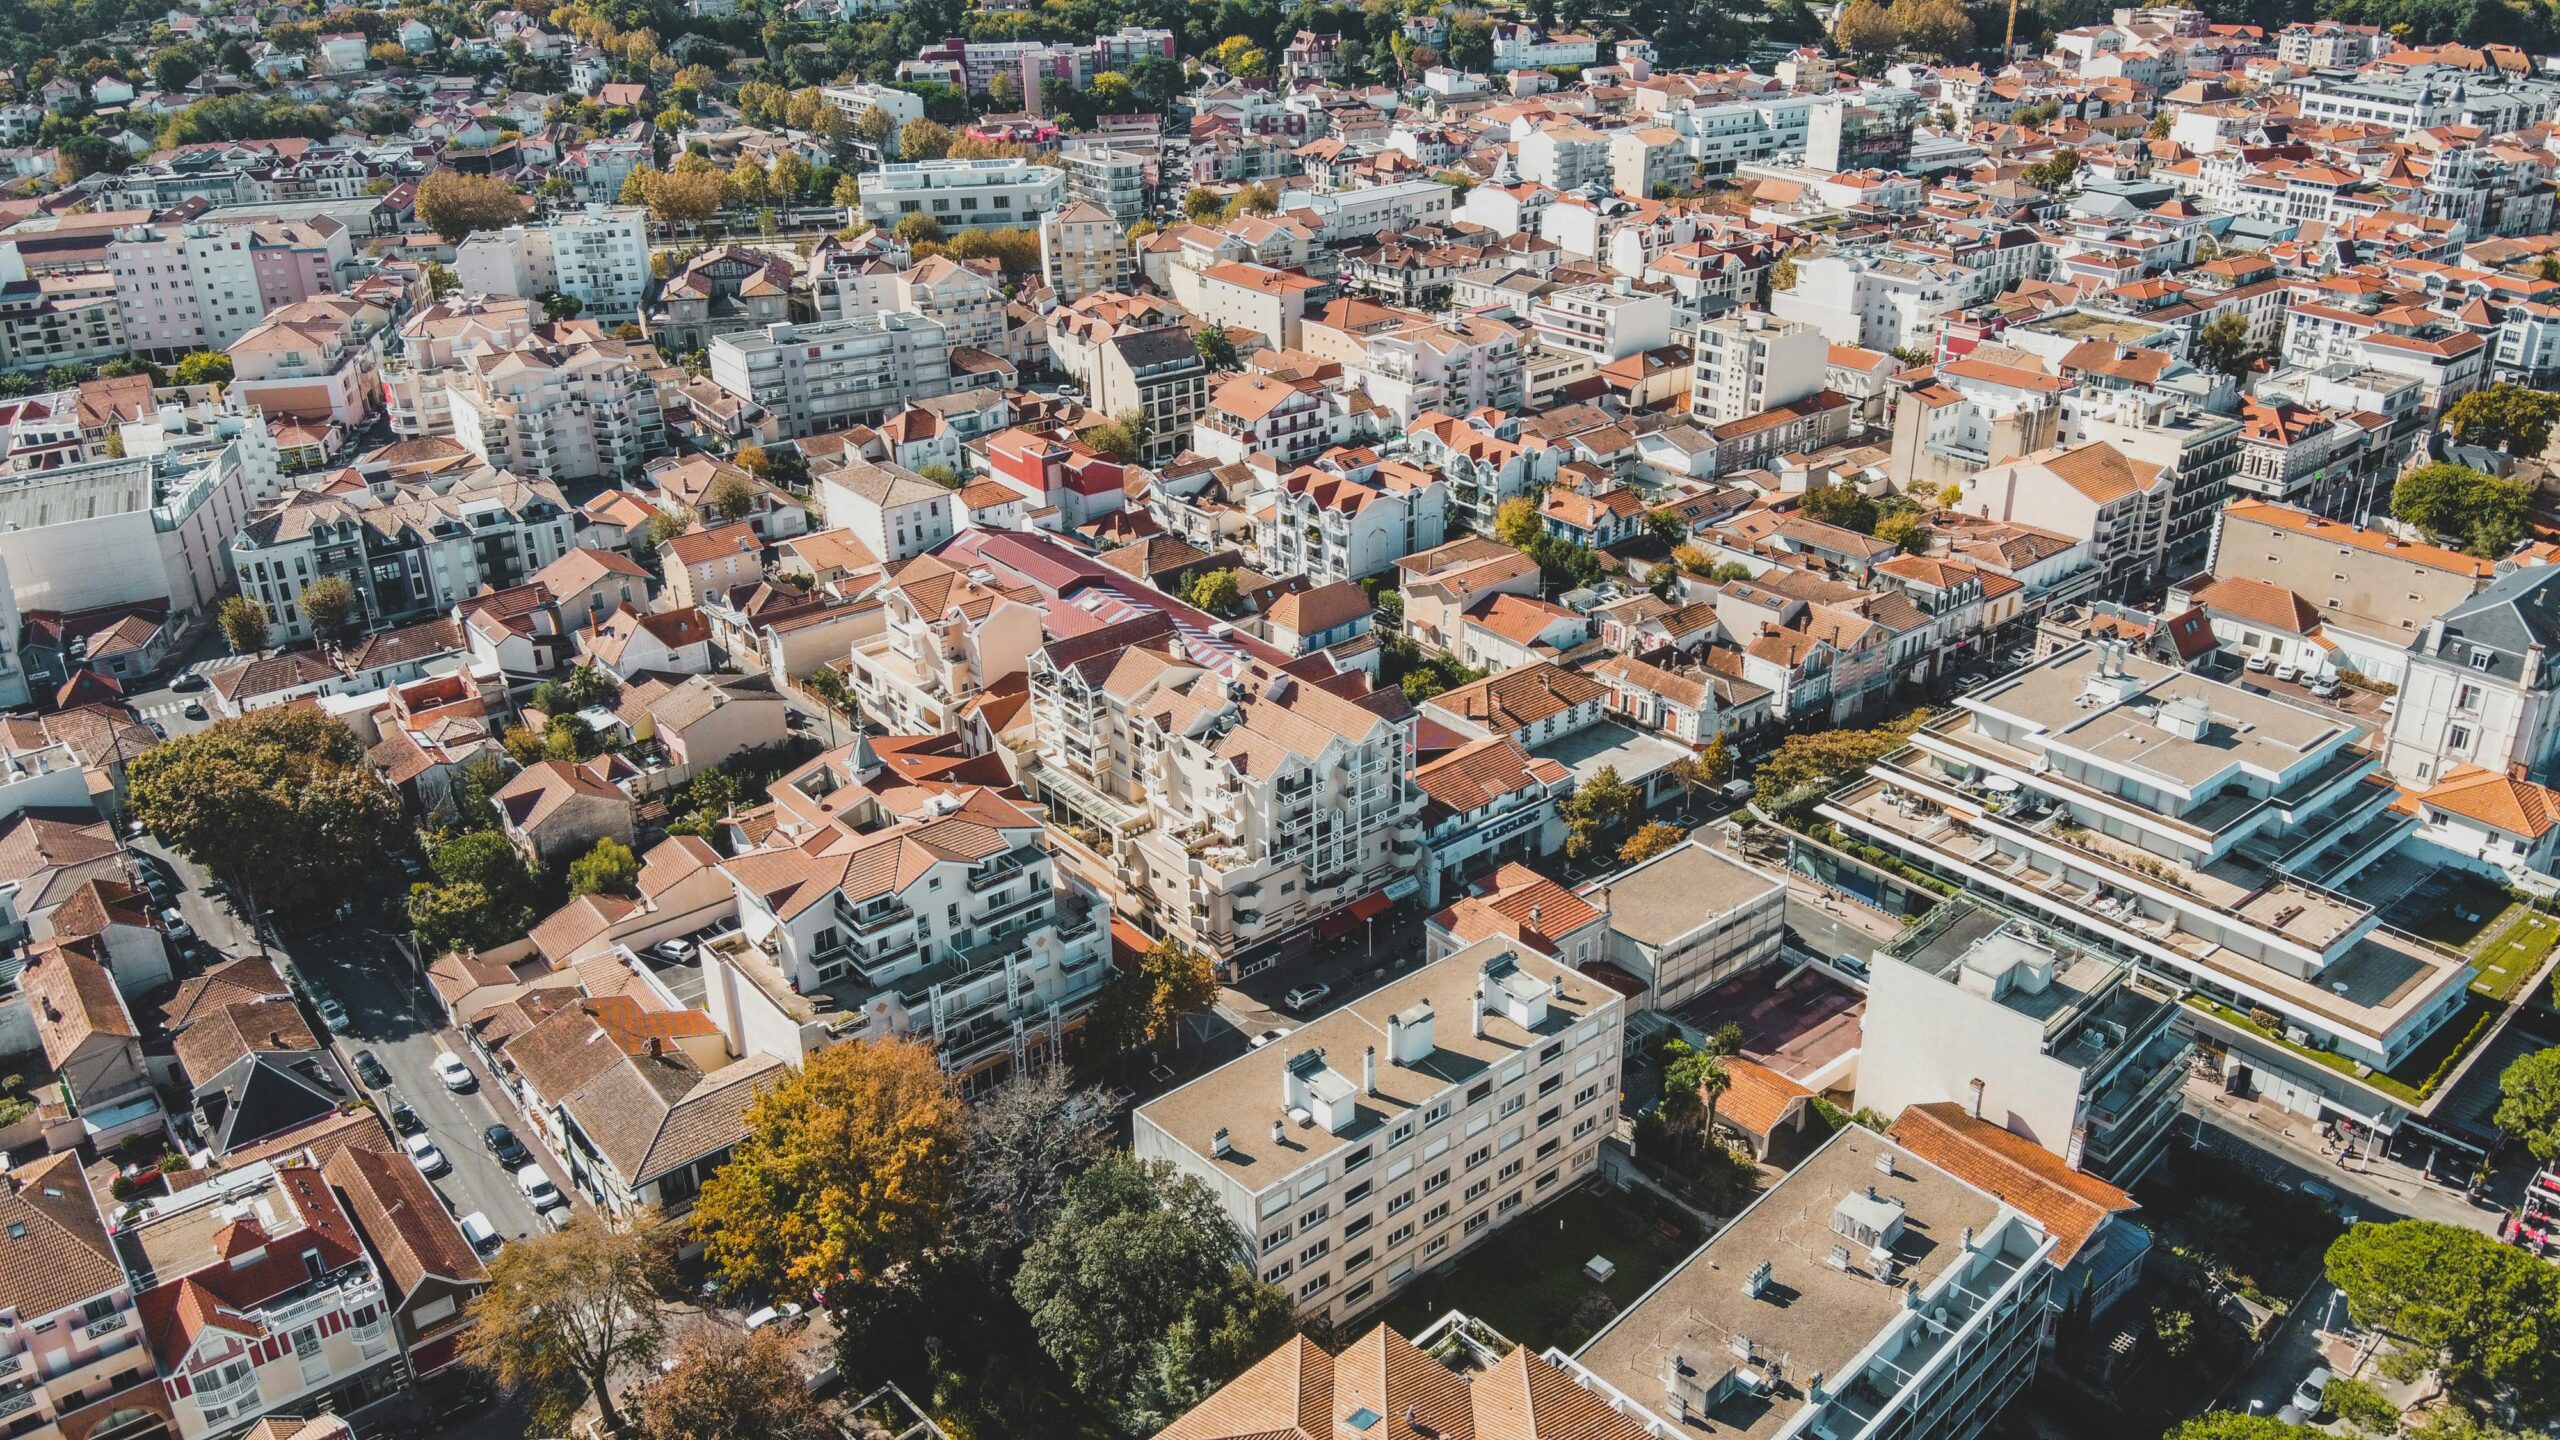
[
  {"x": 1902, "y": 528},
  {"x": 917, "y": 229},
  {"x": 565, "y": 1314},
  {"x": 2505, "y": 417},
  {"x": 1141, "y": 1007},
  {"x": 2232, "y": 1425},
  {"x": 201, "y": 367},
  {"x": 566, "y": 737},
  {"x": 1841, "y": 505},
  {"x": 1140, "y": 1292},
  {"x": 1805, "y": 767},
  {"x": 2055, "y": 170},
  {"x": 2361, "y": 1406},
  {"x": 608, "y": 869},
  {"x": 1217, "y": 592},
  {"x": 284, "y": 801},
  {"x": 2529, "y": 1103},
  {"x": 1598, "y": 809},
  {"x": 174, "y": 69},
  {"x": 455, "y": 205},
  {"x": 845, "y": 1175},
  {"x": 329, "y": 603},
  {"x": 1729, "y": 571},
  {"x": 2485, "y": 1316},
  {"x": 1216, "y": 350},
  {"x": 1693, "y": 1084},
  {"x": 1203, "y": 205},
  {"x": 2223, "y": 344},
  {"x": 1118, "y": 439},
  {"x": 731, "y": 497},
  {"x": 1717, "y": 760},
  {"x": 1471, "y": 42},
  {"x": 244, "y": 624},
  {"x": 2485, "y": 514}
]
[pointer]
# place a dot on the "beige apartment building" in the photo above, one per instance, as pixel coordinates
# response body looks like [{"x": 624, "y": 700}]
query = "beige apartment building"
[
  {"x": 1402, "y": 1129},
  {"x": 1224, "y": 802},
  {"x": 1083, "y": 250},
  {"x": 561, "y": 412},
  {"x": 944, "y": 638}
]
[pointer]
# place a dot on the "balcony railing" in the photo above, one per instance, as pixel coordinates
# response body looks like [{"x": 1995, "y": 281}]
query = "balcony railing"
[{"x": 107, "y": 1326}]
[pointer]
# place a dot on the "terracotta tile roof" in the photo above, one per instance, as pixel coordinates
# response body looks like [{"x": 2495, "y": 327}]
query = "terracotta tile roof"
[
  {"x": 1309, "y": 612},
  {"x": 2257, "y": 602},
  {"x": 217, "y": 1041},
  {"x": 1519, "y": 618},
  {"x": 1475, "y": 776},
  {"x": 226, "y": 984},
  {"x": 1519, "y": 697},
  {"x": 397, "y": 1210},
  {"x": 2102, "y": 472},
  {"x": 1298, "y": 1392},
  {"x": 1759, "y": 1098},
  {"x": 2509, "y": 803},
  {"x": 2069, "y": 1204},
  {"x": 75, "y": 998},
  {"x": 57, "y": 1251},
  {"x": 2285, "y": 517}
]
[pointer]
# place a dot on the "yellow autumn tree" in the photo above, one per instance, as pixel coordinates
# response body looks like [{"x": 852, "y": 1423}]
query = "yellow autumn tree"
[{"x": 846, "y": 1172}]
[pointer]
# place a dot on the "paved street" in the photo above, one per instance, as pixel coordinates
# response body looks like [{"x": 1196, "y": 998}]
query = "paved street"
[
  {"x": 369, "y": 973},
  {"x": 372, "y": 975},
  {"x": 166, "y": 708}
]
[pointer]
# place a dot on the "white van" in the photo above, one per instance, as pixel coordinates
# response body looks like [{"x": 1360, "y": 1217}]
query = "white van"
[{"x": 484, "y": 1237}]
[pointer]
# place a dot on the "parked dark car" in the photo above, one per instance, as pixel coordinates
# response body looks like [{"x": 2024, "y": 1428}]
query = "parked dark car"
[
  {"x": 370, "y": 1070},
  {"x": 502, "y": 1142},
  {"x": 403, "y": 1119}
]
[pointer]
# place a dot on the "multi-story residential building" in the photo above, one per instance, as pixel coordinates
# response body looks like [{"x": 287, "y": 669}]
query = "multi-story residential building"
[
  {"x": 2483, "y": 685},
  {"x": 2210, "y": 834},
  {"x": 1372, "y": 210},
  {"x": 819, "y": 378},
  {"x": 1411, "y": 364},
  {"x": 1748, "y": 363},
  {"x": 1607, "y": 323},
  {"x": 894, "y": 512},
  {"x": 2196, "y": 451},
  {"x": 1329, "y": 526},
  {"x": 1881, "y": 1324},
  {"x": 1487, "y": 458},
  {"x": 1380, "y": 1140},
  {"x": 1159, "y": 373},
  {"x": 75, "y": 1338},
  {"x": 431, "y": 346},
  {"x": 185, "y": 287},
  {"x": 963, "y": 194},
  {"x": 1690, "y": 919},
  {"x": 967, "y": 305},
  {"x": 151, "y": 526},
  {"x": 313, "y": 360},
  {"x": 1257, "y": 415},
  {"x": 1112, "y": 181},
  {"x": 2373, "y": 590},
  {"x": 944, "y": 640},
  {"x": 720, "y": 291},
  {"x": 2094, "y": 492},
  {"x": 2319, "y": 461},
  {"x": 305, "y": 1316},
  {"x": 597, "y": 255},
  {"x": 58, "y": 319},
  {"x": 558, "y": 411},
  {"x": 1239, "y": 295},
  {"x": 410, "y": 549},
  {"x": 2056, "y": 1042},
  {"x": 1272, "y": 805},
  {"x": 1084, "y": 248},
  {"x": 949, "y": 923}
]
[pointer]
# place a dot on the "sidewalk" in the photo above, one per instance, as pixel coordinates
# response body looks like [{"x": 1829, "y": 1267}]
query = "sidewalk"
[{"x": 2381, "y": 1183}]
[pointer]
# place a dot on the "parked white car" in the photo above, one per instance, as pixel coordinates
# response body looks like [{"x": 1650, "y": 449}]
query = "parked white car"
[
  {"x": 537, "y": 1187},
  {"x": 429, "y": 1159},
  {"x": 457, "y": 1076}
]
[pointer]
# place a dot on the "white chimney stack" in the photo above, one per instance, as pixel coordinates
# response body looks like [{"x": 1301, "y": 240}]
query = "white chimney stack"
[
  {"x": 1369, "y": 1069},
  {"x": 1279, "y": 1132},
  {"x": 1475, "y": 1010}
]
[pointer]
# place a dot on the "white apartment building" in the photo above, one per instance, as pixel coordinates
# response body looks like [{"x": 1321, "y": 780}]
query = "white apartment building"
[
  {"x": 1518, "y": 46},
  {"x": 1400, "y": 1130},
  {"x": 598, "y": 255},
  {"x": 2483, "y": 686},
  {"x": 818, "y": 378},
  {"x": 1690, "y": 919},
  {"x": 1565, "y": 156},
  {"x": 433, "y": 342},
  {"x": 1329, "y": 527},
  {"x": 862, "y": 97},
  {"x": 944, "y": 638},
  {"x": 1268, "y": 803},
  {"x": 411, "y": 549},
  {"x": 1607, "y": 323},
  {"x": 1749, "y": 362},
  {"x": 1373, "y": 210},
  {"x": 2209, "y": 834},
  {"x": 73, "y": 1335},
  {"x": 963, "y": 194},
  {"x": 1258, "y": 415},
  {"x": 185, "y": 287},
  {"x": 580, "y": 411},
  {"x": 2060, "y": 1043},
  {"x": 146, "y": 527},
  {"x": 950, "y": 925},
  {"x": 1896, "y": 1297},
  {"x": 1410, "y": 364},
  {"x": 1874, "y": 300}
]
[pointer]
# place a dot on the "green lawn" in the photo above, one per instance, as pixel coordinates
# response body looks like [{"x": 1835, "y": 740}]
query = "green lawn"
[
  {"x": 1527, "y": 1281},
  {"x": 2507, "y": 962},
  {"x": 2443, "y": 923},
  {"x": 2415, "y": 1077}
]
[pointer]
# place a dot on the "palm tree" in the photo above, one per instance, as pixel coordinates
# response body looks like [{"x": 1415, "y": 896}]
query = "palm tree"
[{"x": 1713, "y": 1081}]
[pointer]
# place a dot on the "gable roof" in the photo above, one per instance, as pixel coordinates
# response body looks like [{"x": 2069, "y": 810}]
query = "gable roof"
[
  {"x": 2505, "y": 802},
  {"x": 2068, "y": 1203}
]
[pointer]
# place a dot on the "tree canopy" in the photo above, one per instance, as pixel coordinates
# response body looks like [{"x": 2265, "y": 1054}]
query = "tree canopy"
[
  {"x": 724, "y": 1385},
  {"x": 1141, "y": 1007},
  {"x": 567, "y": 1312},
  {"x": 283, "y": 800},
  {"x": 2476, "y": 510},
  {"x": 1140, "y": 1292},
  {"x": 845, "y": 1174},
  {"x": 2529, "y": 1103},
  {"x": 2505, "y": 417},
  {"x": 608, "y": 869},
  {"x": 455, "y": 205},
  {"x": 2489, "y": 1313}
]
